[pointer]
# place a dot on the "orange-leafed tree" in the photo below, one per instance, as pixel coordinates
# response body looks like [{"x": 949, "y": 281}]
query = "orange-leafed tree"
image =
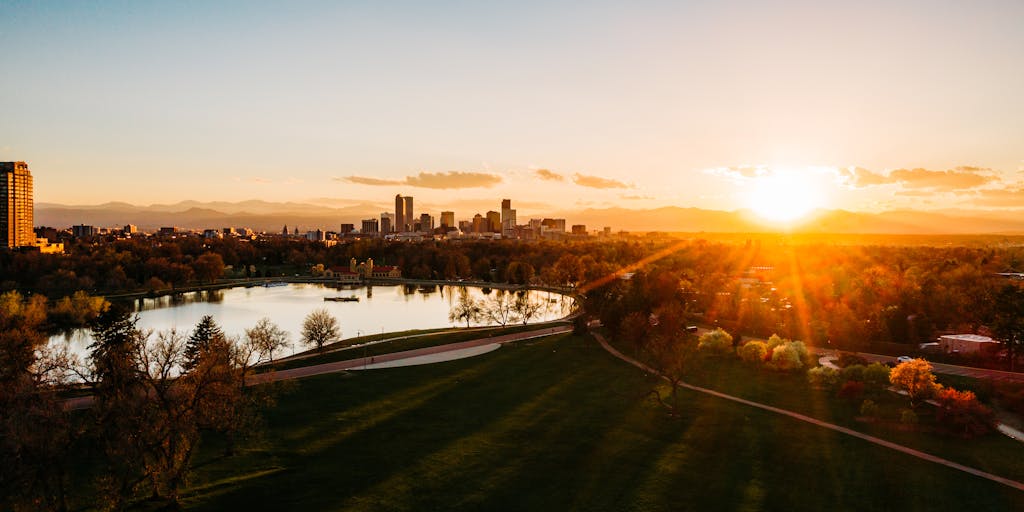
[
  {"x": 916, "y": 379},
  {"x": 961, "y": 413}
]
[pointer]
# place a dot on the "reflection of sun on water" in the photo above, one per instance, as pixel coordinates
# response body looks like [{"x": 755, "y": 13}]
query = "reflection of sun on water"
[{"x": 783, "y": 196}]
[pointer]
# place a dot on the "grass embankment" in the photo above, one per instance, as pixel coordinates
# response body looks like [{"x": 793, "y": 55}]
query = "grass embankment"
[
  {"x": 416, "y": 339},
  {"x": 558, "y": 424}
]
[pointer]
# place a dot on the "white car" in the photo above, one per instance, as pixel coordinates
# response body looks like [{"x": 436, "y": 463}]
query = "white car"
[{"x": 904, "y": 359}]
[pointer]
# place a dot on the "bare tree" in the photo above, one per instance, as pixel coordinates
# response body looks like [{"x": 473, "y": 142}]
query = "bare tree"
[
  {"x": 319, "y": 328},
  {"x": 524, "y": 308},
  {"x": 466, "y": 308},
  {"x": 499, "y": 308},
  {"x": 266, "y": 337}
]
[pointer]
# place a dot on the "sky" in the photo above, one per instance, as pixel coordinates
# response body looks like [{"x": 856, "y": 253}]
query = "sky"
[{"x": 865, "y": 106}]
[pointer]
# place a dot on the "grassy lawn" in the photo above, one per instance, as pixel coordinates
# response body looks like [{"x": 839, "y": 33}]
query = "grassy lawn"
[
  {"x": 444, "y": 337},
  {"x": 559, "y": 424}
]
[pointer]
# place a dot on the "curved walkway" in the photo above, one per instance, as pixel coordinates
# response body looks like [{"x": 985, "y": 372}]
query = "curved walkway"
[{"x": 871, "y": 439}]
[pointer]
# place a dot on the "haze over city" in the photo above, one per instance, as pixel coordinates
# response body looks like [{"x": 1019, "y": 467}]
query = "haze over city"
[{"x": 779, "y": 108}]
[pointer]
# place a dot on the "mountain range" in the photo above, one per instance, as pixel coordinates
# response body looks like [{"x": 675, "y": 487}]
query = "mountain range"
[{"x": 272, "y": 217}]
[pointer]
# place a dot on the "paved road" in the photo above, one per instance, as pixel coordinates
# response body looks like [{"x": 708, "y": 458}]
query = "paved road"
[
  {"x": 871, "y": 439},
  {"x": 85, "y": 402},
  {"x": 945, "y": 369}
]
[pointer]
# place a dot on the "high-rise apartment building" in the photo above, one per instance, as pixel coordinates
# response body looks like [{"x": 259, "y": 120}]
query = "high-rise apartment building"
[{"x": 16, "y": 204}]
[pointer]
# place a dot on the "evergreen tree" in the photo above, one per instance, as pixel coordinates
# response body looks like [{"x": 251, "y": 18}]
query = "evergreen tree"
[{"x": 206, "y": 331}]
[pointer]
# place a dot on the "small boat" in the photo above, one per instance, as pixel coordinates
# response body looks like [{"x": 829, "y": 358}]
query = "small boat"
[{"x": 353, "y": 298}]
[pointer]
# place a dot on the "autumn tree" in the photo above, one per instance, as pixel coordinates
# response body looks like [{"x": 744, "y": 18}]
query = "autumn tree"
[
  {"x": 209, "y": 267},
  {"x": 916, "y": 379},
  {"x": 670, "y": 355},
  {"x": 320, "y": 327},
  {"x": 962, "y": 413},
  {"x": 717, "y": 342}
]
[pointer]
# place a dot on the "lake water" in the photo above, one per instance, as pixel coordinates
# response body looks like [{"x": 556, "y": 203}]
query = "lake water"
[{"x": 379, "y": 309}]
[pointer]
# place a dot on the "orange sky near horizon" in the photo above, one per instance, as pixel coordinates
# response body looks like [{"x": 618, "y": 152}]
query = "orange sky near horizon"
[{"x": 778, "y": 107}]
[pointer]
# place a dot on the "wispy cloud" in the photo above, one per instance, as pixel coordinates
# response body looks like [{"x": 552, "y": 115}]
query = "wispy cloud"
[
  {"x": 584, "y": 180},
  {"x": 548, "y": 175},
  {"x": 434, "y": 180},
  {"x": 362, "y": 180},
  {"x": 636, "y": 197},
  {"x": 950, "y": 180}
]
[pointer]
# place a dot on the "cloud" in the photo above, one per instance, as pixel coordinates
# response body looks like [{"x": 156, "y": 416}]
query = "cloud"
[
  {"x": 955, "y": 179},
  {"x": 260, "y": 180},
  {"x": 739, "y": 172},
  {"x": 597, "y": 182},
  {"x": 1010, "y": 197},
  {"x": 435, "y": 180},
  {"x": 453, "y": 179},
  {"x": 548, "y": 175},
  {"x": 958, "y": 178},
  {"x": 637, "y": 197},
  {"x": 859, "y": 177},
  {"x": 362, "y": 180}
]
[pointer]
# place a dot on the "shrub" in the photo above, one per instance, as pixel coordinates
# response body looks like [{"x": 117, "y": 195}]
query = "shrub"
[
  {"x": 961, "y": 413},
  {"x": 753, "y": 352},
  {"x": 847, "y": 359},
  {"x": 876, "y": 375},
  {"x": 775, "y": 341},
  {"x": 908, "y": 416},
  {"x": 790, "y": 355},
  {"x": 851, "y": 390},
  {"x": 716, "y": 343},
  {"x": 823, "y": 377},
  {"x": 869, "y": 408},
  {"x": 854, "y": 372}
]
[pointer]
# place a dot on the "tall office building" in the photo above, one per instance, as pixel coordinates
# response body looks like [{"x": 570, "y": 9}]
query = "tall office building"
[
  {"x": 426, "y": 223},
  {"x": 16, "y": 204},
  {"x": 399, "y": 213},
  {"x": 494, "y": 222},
  {"x": 370, "y": 227},
  {"x": 508, "y": 219},
  {"x": 386, "y": 223},
  {"x": 410, "y": 215},
  {"x": 448, "y": 220}
]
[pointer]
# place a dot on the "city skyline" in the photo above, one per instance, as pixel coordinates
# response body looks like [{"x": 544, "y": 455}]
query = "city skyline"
[{"x": 868, "y": 107}]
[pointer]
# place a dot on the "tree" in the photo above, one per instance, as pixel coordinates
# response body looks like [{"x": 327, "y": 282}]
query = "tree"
[
  {"x": 499, "y": 308},
  {"x": 916, "y": 379},
  {"x": 320, "y": 327},
  {"x": 209, "y": 267},
  {"x": 670, "y": 356},
  {"x": 1008, "y": 321},
  {"x": 524, "y": 308},
  {"x": 206, "y": 331},
  {"x": 962, "y": 413},
  {"x": 266, "y": 337},
  {"x": 717, "y": 342},
  {"x": 466, "y": 308},
  {"x": 753, "y": 352}
]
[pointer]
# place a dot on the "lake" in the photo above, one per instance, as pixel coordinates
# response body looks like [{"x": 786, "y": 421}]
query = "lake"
[{"x": 379, "y": 309}]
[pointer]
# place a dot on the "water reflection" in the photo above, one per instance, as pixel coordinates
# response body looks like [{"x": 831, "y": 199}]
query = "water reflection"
[{"x": 390, "y": 309}]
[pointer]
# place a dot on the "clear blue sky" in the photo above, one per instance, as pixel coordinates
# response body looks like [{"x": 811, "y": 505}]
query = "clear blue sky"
[{"x": 636, "y": 104}]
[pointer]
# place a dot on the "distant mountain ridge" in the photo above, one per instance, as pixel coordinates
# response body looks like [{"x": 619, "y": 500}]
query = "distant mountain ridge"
[{"x": 270, "y": 216}]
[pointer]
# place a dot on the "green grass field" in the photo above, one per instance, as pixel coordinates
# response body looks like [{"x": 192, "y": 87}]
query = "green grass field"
[{"x": 560, "y": 425}]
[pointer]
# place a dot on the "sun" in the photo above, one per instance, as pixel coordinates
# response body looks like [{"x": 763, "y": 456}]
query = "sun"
[{"x": 784, "y": 196}]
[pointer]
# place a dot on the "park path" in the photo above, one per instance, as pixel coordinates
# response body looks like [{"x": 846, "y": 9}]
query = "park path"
[
  {"x": 84, "y": 402},
  {"x": 871, "y": 439}
]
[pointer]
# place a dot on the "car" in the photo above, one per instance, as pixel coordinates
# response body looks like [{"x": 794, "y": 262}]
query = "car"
[
  {"x": 691, "y": 328},
  {"x": 904, "y": 359}
]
